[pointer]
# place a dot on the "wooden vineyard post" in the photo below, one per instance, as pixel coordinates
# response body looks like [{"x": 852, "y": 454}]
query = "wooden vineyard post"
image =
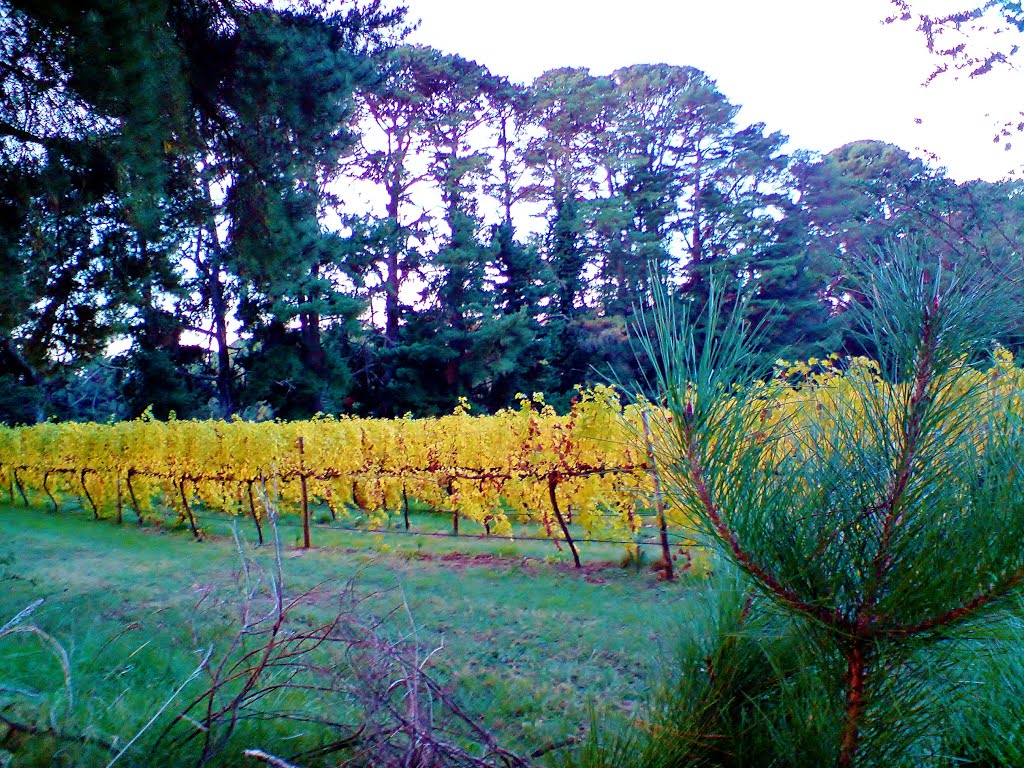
[
  {"x": 455, "y": 510},
  {"x": 131, "y": 495},
  {"x": 305, "y": 499},
  {"x": 188, "y": 511},
  {"x": 21, "y": 488},
  {"x": 405, "y": 506},
  {"x": 46, "y": 489},
  {"x": 659, "y": 500},
  {"x": 120, "y": 502},
  {"x": 552, "y": 485},
  {"x": 85, "y": 488},
  {"x": 255, "y": 517}
]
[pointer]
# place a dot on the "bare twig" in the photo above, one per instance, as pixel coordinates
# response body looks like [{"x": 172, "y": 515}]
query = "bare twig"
[
  {"x": 15, "y": 627},
  {"x": 265, "y": 757},
  {"x": 163, "y": 708},
  {"x": 407, "y": 717}
]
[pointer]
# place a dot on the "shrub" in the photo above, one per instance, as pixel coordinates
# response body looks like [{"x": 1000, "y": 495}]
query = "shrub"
[{"x": 875, "y": 538}]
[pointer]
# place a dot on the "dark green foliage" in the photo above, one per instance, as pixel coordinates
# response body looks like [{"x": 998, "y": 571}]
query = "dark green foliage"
[
  {"x": 21, "y": 402},
  {"x": 862, "y": 196},
  {"x": 157, "y": 382},
  {"x": 164, "y": 373},
  {"x": 312, "y": 216},
  {"x": 297, "y": 373},
  {"x": 567, "y": 257},
  {"x": 292, "y": 96},
  {"x": 747, "y": 687},
  {"x": 154, "y": 130},
  {"x": 794, "y": 322},
  {"x": 858, "y": 200},
  {"x": 729, "y": 695}
]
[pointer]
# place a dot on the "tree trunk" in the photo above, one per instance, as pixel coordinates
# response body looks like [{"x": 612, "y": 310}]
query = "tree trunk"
[
  {"x": 46, "y": 488},
  {"x": 393, "y": 277},
  {"x": 306, "y": 543},
  {"x": 131, "y": 495},
  {"x": 219, "y": 310}
]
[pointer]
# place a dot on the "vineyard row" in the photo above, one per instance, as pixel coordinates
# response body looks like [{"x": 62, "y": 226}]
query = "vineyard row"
[
  {"x": 595, "y": 468},
  {"x": 586, "y": 468}
]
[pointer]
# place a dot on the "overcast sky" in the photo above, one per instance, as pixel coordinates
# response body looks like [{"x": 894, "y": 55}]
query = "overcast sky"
[{"x": 824, "y": 72}]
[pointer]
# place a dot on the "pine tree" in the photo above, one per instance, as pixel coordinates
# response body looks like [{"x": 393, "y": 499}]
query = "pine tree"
[{"x": 872, "y": 537}]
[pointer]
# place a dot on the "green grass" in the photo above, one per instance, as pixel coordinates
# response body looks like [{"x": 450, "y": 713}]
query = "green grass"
[{"x": 531, "y": 647}]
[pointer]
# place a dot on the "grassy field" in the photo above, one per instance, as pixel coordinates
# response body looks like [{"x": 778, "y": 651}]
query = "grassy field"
[{"x": 533, "y": 648}]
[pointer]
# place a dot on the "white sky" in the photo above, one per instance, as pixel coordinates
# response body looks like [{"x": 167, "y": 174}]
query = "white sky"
[{"x": 824, "y": 72}]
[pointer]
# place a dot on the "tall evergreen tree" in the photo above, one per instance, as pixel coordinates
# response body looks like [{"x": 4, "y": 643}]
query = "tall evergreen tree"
[
  {"x": 788, "y": 306},
  {"x": 292, "y": 99},
  {"x": 865, "y": 194},
  {"x": 154, "y": 109},
  {"x": 859, "y": 199}
]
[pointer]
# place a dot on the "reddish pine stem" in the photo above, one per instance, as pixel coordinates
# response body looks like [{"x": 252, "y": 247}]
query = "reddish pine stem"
[
  {"x": 964, "y": 611},
  {"x": 923, "y": 375},
  {"x": 725, "y": 533},
  {"x": 856, "y": 673}
]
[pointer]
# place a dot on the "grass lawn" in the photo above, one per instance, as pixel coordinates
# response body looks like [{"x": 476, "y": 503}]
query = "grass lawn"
[{"x": 532, "y": 648}]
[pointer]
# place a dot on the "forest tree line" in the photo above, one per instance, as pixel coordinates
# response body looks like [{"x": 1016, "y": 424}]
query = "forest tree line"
[{"x": 220, "y": 207}]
